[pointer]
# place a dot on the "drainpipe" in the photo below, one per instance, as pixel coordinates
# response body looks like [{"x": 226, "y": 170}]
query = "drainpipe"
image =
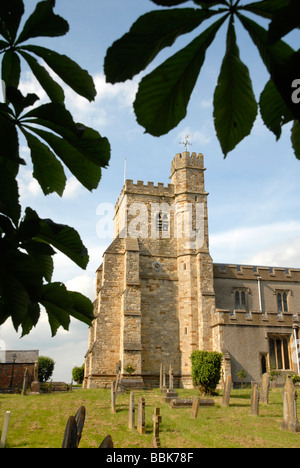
[
  {"x": 296, "y": 348},
  {"x": 259, "y": 293}
]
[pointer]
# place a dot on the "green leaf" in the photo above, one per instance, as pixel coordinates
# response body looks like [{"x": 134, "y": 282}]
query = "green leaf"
[
  {"x": 61, "y": 303},
  {"x": 61, "y": 237},
  {"x": 82, "y": 308},
  {"x": 11, "y": 13},
  {"x": 273, "y": 109},
  {"x": 295, "y": 138},
  {"x": 169, "y": 2},
  {"x": 52, "y": 88},
  {"x": 235, "y": 107},
  {"x": 19, "y": 101},
  {"x": 9, "y": 148},
  {"x": 11, "y": 69},
  {"x": 43, "y": 22},
  {"x": 88, "y": 173},
  {"x": 58, "y": 304},
  {"x": 282, "y": 62},
  {"x": 68, "y": 70},
  {"x": 31, "y": 319},
  {"x": 284, "y": 21},
  {"x": 20, "y": 283},
  {"x": 210, "y": 3},
  {"x": 265, "y": 8},
  {"x": 147, "y": 37},
  {"x": 164, "y": 94},
  {"x": 85, "y": 140},
  {"x": 9, "y": 194},
  {"x": 47, "y": 170}
]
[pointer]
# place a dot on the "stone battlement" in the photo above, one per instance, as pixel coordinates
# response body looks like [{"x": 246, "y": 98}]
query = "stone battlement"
[
  {"x": 254, "y": 272},
  {"x": 149, "y": 188},
  {"x": 187, "y": 160}
]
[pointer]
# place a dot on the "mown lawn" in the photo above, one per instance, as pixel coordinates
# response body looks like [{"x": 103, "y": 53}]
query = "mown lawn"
[{"x": 39, "y": 421}]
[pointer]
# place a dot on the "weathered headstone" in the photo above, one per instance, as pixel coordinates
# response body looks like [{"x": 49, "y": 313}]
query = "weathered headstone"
[
  {"x": 155, "y": 443},
  {"x": 35, "y": 388},
  {"x": 290, "y": 422},
  {"x": 188, "y": 402},
  {"x": 164, "y": 379},
  {"x": 113, "y": 398},
  {"x": 161, "y": 377},
  {"x": 171, "y": 378},
  {"x": 131, "y": 422},
  {"x": 80, "y": 419},
  {"x": 5, "y": 430},
  {"x": 107, "y": 443},
  {"x": 195, "y": 408},
  {"x": 170, "y": 394},
  {"x": 255, "y": 399},
  {"x": 227, "y": 391},
  {"x": 264, "y": 395},
  {"x": 70, "y": 435},
  {"x": 25, "y": 382},
  {"x": 141, "y": 427}
]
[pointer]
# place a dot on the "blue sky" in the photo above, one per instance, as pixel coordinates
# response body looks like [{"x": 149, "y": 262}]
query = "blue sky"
[{"x": 254, "y": 193}]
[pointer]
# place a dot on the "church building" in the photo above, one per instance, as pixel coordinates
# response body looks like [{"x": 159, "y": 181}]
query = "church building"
[{"x": 159, "y": 296}]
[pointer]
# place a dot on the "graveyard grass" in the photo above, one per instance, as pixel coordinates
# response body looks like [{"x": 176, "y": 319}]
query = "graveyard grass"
[{"x": 40, "y": 421}]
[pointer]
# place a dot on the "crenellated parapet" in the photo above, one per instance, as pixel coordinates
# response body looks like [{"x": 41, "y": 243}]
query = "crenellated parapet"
[
  {"x": 187, "y": 160},
  {"x": 251, "y": 272}
]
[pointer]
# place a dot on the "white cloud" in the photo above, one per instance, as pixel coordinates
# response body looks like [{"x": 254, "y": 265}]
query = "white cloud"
[
  {"x": 85, "y": 284},
  {"x": 109, "y": 98},
  {"x": 30, "y": 85},
  {"x": 73, "y": 188},
  {"x": 275, "y": 244},
  {"x": 28, "y": 186},
  {"x": 200, "y": 137}
]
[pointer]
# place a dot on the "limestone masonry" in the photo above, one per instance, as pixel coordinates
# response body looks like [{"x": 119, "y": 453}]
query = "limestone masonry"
[{"x": 159, "y": 296}]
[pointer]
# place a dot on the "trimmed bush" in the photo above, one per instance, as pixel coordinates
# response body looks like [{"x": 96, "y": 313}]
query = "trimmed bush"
[{"x": 206, "y": 370}]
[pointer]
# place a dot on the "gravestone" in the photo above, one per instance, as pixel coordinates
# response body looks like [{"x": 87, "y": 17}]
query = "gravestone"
[
  {"x": 131, "y": 422},
  {"x": 25, "y": 382},
  {"x": 70, "y": 435},
  {"x": 5, "y": 430},
  {"x": 170, "y": 394},
  {"x": 113, "y": 396},
  {"x": 290, "y": 422},
  {"x": 171, "y": 378},
  {"x": 264, "y": 397},
  {"x": 107, "y": 443},
  {"x": 35, "y": 388},
  {"x": 80, "y": 419},
  {"x": 188, "y": 402},
  {"x": 195, "y": 408},
  {"x": 141, "y": 427},
  {"x": 162, "y": 379},
  {"x": 255, "y": 399},
  {"x": 227, "y": 390},
  {"x": 155, "y": 443}
]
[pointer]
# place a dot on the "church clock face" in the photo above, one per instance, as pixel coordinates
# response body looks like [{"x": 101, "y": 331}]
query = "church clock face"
[{"x": 156, "y": 266}]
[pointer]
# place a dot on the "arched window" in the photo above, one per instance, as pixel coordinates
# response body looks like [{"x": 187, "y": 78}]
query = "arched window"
[
  {"x": 162, "y": 222},
  {"x": 282, "y": 302},
  {"x": 240, "y": 299}
]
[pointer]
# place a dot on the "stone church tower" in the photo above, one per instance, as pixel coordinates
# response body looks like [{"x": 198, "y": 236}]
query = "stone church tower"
[
  {"x": 159, "y": 296},
  {"x": 154, "y": 295}
]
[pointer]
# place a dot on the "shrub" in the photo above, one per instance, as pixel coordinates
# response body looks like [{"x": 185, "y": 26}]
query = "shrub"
[
  {"x": 46, "y": 368},
  {"x": 129, "y": 369},
  {"x": 78, "y": 374},
  {"x": 206, "y": 370}
]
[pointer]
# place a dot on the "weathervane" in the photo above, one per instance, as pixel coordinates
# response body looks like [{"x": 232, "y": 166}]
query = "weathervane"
[{"x": 186, "y": 142}]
